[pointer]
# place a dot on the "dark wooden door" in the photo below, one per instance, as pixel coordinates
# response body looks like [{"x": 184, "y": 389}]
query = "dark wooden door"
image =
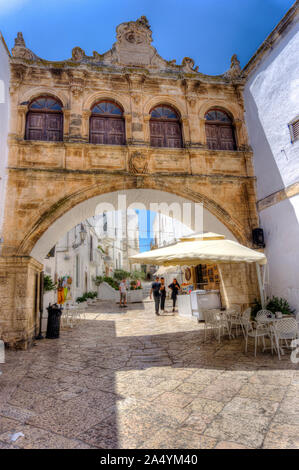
[
  {"x": 44, "y": 126},
  {"x": 106, "y": 130},
  {"x": 220, "y": 137},
  {"x": 165, "y": 133}
]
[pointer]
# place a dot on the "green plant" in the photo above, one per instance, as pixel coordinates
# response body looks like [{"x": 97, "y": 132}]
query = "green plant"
[
  {"x": 255, "y": 308},
  {"x": 49, "y": 284},
  {"x": 138, "y": 275},
  {"x": 274, "y": 304},
  {"x": 278, "y": 304},
  {"x": 86, "y": 295},
  {"x": 98, "y": 280},
  {"x": 101, "y": 249},
  {"x": 120, "y": 274},
  {"x": 112, "y": 282}
]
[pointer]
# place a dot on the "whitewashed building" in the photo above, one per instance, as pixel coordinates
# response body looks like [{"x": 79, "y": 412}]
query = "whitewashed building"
[
  {"x": 118, "y": 232},
  {"x": 76, "y": 255},
  {"x": 166, "y": 230},
  {"x": 272, "y": 114}
]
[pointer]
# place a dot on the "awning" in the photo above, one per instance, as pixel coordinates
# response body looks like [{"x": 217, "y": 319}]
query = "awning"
[{"x": 201, "y": 249}]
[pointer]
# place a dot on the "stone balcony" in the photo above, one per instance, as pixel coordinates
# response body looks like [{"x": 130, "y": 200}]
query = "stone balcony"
[{"x": 134, "y": 159}]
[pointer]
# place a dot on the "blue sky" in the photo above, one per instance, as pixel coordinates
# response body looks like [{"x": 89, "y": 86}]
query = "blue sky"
[{"x": 209, "y": 31}]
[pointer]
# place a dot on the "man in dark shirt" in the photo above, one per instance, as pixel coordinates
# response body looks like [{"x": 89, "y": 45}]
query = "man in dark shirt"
[
  {"x": 155, "y": 291},
  {"x": 175, "y": 287}
]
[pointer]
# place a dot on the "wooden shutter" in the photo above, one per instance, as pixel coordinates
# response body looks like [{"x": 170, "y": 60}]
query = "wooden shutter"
[
  {"x": 212, "y": 136},
  {"x": 53, "y": 127},
  {"x": 165, "y": 133},
  {"x": 115, "y": 131},
  {"x": 294, "y": 128},
  {"x": 106, "y": 130},
  {"x": 97, "y": 130},
  {"x": 226, "y": 138},
  {"x": 35, "y": 126},
  {"x": 173, "y": 134},
  {"x": 157, "y": 133},
  {"x": 44, "y": 126},
  {"x": 220, "y": 137}
]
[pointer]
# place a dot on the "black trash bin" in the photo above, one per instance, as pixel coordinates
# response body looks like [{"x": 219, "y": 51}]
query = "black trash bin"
[{"x": 53, "y": 325}]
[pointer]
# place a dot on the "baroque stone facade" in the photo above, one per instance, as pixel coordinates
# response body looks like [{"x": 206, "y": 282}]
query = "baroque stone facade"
[{"x": 47, "y": 179}]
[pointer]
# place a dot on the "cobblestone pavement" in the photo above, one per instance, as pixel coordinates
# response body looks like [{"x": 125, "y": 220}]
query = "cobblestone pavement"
[{"x": 129, "y": 379}]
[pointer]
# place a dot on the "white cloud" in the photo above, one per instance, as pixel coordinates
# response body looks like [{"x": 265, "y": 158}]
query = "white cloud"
[{"x": 7, "y": 6}]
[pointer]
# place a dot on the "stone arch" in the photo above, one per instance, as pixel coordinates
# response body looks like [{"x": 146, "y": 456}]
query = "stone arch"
[
  {"x": 233, "y": 110},
  {"x": 66, "y": 204},
  {"x": 104, "y": 95},
  {"x": 33, "y": 93},
  {"x": 164, "y": 99}
]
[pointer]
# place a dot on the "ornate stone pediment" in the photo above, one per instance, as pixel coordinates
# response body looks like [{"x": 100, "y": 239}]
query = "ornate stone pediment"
[{"x": 132, "y": 48}]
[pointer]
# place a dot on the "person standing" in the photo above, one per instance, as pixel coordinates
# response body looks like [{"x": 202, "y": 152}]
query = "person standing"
[
  {"x": 123, "y": 294},
  {"x": 163, "y": 294},
  {"x": 175, "y": 287},
  {"x": 155, "y": 291}
]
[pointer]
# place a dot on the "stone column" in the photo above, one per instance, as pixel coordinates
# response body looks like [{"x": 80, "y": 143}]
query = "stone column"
[
  {"x": 19, "y": 314},
  {"x": 202, "y": 132},
  {"x": 128, "y": 124},
  {"x": 77, "y": 83},
  {"x": 66, "y": 123},
  {"x": 135, "y": 82},
  {"x": 21, "y": 120},
  {"x": 85, "y": 124},
  {"x": 186, "y": 131},
  {"x": 146, "y": 128}
]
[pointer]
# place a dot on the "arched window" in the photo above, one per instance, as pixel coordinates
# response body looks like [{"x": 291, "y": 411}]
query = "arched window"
[
  {"x": 107, "y": 124},
  {"x": 165, "y": 127},
  {"x": 219, "y": 131},
  {"x": 44, "y": 120}
]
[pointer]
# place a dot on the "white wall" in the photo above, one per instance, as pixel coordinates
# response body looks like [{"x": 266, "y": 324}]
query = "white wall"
[
  {"x": 281, "y": 225},
  {"x": 4, "y": 120},
  {"x": 271, "y": 102}
]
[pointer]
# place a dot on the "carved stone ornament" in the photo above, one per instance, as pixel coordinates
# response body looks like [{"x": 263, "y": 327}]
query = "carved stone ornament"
[
  {"x": 20, "y": 50},
  {"x": 78, "y": 54},
  {"x": 138, "y": 163},
  {"x": 235, "y": 71},
  {"x": 188, "y": 65}
]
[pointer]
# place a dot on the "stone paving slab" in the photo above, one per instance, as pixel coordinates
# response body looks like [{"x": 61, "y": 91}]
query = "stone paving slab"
[{"x": 134, "y": 380}]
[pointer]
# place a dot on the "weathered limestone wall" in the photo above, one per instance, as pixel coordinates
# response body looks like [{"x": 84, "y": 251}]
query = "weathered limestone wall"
[
  {"x": 18, "y": 306},
  {"x": 239, "y": 284}
]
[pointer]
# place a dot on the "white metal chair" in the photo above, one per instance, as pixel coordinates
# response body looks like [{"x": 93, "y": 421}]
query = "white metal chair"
[
  {"x": 262, "y": 316},
  {"x": 285, "y": 329},
  {"x": 256, "y": 331},
  {"x": 245, "y": 319},
  {"x": 236, "y": 319},
  {"x": 235, "y": 307},
  {"x": 215, "y": 322}
]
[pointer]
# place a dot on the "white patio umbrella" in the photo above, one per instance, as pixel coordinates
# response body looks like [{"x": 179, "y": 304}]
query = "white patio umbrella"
[{"x": 204, "y": 248}]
